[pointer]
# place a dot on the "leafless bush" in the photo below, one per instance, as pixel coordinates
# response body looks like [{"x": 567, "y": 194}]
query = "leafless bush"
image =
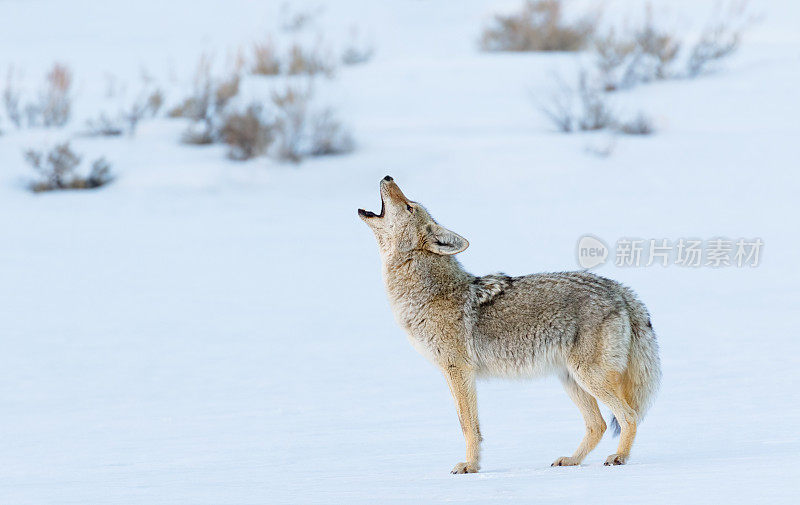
[
  {"x": 11, "y": 99},
  {"x": 642, "y": 56},
  {"x": 206, "y": 105},
  {"x": 196, "y": 106},
  {"x": 658, "y": 46},
  {"x": 611, "y": 54},
  {"x": 292, "y": 105},
  {"x": 585, "y": 107},
  {"x": 247, "y": 134},
  {"x": 595, "y": 113},
  {"x": 641, "y": 124},
  {"x": 301, "y": 131},
  {"x": 265, "y": 59},
  {"x": 720, "y": 39},
  {"x": 357, "y": 50},
  {"x": 538, "y": 26},
  {"x": 559, "y": 109},
  {"x": 329, "y": 136},
  {"x": 56, "y": 102},
  {"x": 309, "y": 62},
  {"x": 56, "y": 169},
  {"x": 650, "y": 53},
  {"x": 225, "y": 91},
  {"x": 292, "y": 20},
  {"x": 198, "y": 134},
  {"x": 104, "y": 126},
  {"x": 146, "y": 105}
]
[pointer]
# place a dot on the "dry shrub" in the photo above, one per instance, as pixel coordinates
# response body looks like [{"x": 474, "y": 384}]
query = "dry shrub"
[
  {"x": 104, "y": 126},
  {"x": 329, "y": 136},
  {"x": 294, "y": 21},
  {"x": 198, "y": 134},
  {"x": 54, "y": 104},
  {"x": 12, "y": 99},
  {"x": 595, "y": 113},
  {"x": 538, "y": 26},
  {"x": 611, "y": 54},
  {"x": 585, "y": 107},
  {"x": 650, "y": 53},
  {"x": 57, "y": 170},
  {"x": 559, "y": 108},
  {"x": 292, "y": 107},
  {"x": 309, "y": 62},
  {"x": 226, "y": 90},
  {"x": 247, "y": 134},
  {"x": 357, "y": 50},
  {"x": 206, "y": 105},
  {"x": 145, "y": 106},
  {"x": 56, "y": 101},
  {"x": 720, "y": 39},
  {"x": 196, "y": 106},
  {"x": 642, "y": 56},
  {"x": 265, "y": 59},
  {"x": 641, "y": 124},
  {"x": 658, "y": 46}
]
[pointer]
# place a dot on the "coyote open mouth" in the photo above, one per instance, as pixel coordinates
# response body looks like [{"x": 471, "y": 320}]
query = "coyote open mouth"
[{"x": 368, "y": 213}]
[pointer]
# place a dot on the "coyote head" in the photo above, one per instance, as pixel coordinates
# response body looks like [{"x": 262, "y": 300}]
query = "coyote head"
[{"x": 404, "y": 226}]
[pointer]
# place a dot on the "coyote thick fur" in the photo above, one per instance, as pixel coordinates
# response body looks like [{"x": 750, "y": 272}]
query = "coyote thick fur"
[{"x": 592, "y": 332}]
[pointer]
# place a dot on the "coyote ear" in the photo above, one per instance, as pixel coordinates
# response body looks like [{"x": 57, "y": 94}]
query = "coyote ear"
[{"x": 443, "y": 241}]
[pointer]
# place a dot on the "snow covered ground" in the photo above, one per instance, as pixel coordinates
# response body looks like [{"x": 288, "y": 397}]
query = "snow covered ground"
[{"x": 203, "y": 331}]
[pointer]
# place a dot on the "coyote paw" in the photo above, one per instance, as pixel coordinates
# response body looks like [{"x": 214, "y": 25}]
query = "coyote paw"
[
  {"x": 465, "y": 468},
  {"x": 616, "y": 459},
  {"x": 566, "y": 461}
]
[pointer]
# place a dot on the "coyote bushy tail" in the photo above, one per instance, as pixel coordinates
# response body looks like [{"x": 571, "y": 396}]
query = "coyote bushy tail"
[{"x": 643, "y": 376}]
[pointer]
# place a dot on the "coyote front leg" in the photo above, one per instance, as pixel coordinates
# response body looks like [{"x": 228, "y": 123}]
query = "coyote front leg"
[{"x": 462, "y": 386}]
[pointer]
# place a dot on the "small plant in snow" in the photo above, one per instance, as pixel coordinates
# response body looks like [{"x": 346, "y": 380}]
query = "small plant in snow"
[
  {"x": 57, "y": 170},
  {"x": 641, "y": 124},
  {"x": 206, "y": 105},
  {"x": 650, "y": 53},
  {"x": 56, "y": 101},
  {"x": 265, "y": 59},
  {"x": 12, "y": 99},
  {"x": 309, "y": 62},
  {"x": 301, "y": 131},
  {"x": 246, "y": 133},
  {"x": 580, "y": 108},
  {"x": 720, "y": 39},
  {"x": 538, "y": 26},
  {"x": 292, "y": 106},
  {"x": 585, "y": 107},
  {"x": 145, "y": 106},
  {"x": 357, "y": 51},
  {"x": 329, "y": 136},
  {"x": 294, "y": 20}
]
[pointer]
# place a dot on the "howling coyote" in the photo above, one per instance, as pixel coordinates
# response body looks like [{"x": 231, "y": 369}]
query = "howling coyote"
[{"x": 592, "y": 332}]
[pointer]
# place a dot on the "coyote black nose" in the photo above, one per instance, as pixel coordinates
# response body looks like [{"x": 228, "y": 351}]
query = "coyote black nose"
[{"x": 388, "y": 178}]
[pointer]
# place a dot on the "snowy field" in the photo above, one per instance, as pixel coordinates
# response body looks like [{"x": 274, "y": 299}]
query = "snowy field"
[{"x": 206, "y": 331}]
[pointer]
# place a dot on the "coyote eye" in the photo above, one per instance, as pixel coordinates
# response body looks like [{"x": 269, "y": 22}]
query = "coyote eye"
[{"x": 410, "y": 208}]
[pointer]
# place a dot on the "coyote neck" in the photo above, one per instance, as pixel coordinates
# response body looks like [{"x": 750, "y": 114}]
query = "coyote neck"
[
  {"x": 425, "y": 275},
  {"x": 426, "y": 289}
]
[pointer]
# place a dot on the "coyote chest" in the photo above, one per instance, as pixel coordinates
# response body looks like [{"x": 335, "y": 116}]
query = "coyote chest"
[{"x": 435, "y": 326}]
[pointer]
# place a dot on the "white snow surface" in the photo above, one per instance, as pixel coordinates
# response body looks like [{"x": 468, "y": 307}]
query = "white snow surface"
[{"x": 205, "y": 331}]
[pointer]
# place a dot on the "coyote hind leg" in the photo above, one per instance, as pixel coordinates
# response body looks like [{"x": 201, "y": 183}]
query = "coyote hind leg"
[
  {"x": 609, "y": 389},
  {"x": 595, "y": 425}
]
